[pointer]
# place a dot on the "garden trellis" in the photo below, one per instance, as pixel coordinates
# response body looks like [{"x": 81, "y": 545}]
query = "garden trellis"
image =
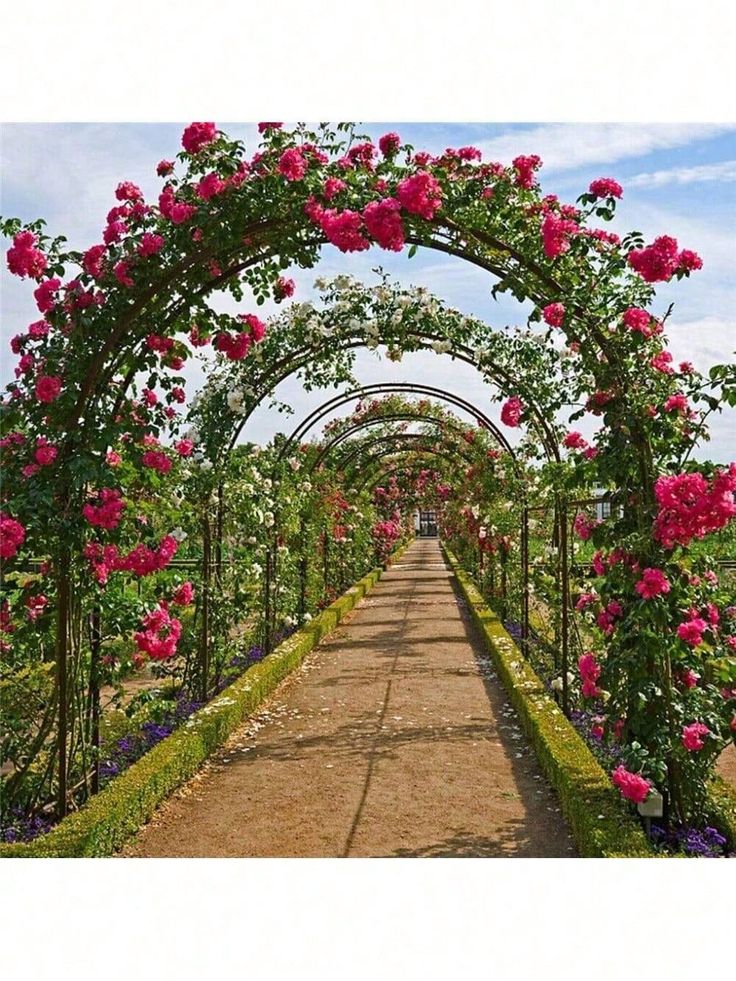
[{"x": 94, "y": 441}]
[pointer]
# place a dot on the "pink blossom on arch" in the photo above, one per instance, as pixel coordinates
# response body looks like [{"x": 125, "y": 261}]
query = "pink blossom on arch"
[
  {"x": 127, "y": 191},
  {"x": 662, "y": 362},
  {"x": 605, "y": 187},
  {"x": 584, "y": 526},
  {"x": 108, "y": 512},
  {"x": 198, "y": 135},
  {"x": 694, "y": 735},
  {"x": 676, "y": 403},
  {"x": 150, "y": 244},
  {"x": 292, "y": 164},
  {"x": 92, "y": 260},
  {"x": 691, "y": 507},
  {"x": 121, "y": 271},
  {"x": 556, "y": 234},
  {"x": 653, "y": 583},
  {"x": 344, "y": 229},
  {"x": 691, "y": 631},
  {"x": 590, "y": 672},
  {"x": 183, "y": 595},
  {"x": 160, "y": 635},
  {"x": 511, "y": 411},
  {"x": 574, "y": 441},
  {"x": 45, "y": 294},
  {"x": 332, "y": 187},
  {"x": 12, "y": 536},
  {"x": 660, "y": 261},
  {"x": 420, "y": 194},
  {"x": 554, "y": 314},
  {"x": 157, "y": 460},
  {"x": 389, "y": 144},
  {"x": 283, "y": 288},
  {"x": 525, "y": 168},
  {"x": 23, "y": 258},
  {"x": 45, "y": 453},
  {"x": 48, "y": 388},
  {"x": 383, "y": 223}
]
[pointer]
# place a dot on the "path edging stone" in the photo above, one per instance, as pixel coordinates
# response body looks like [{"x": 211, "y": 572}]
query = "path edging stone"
[
  {"x": 600, "y": 824},
  {"x": 102, "y": 825}
]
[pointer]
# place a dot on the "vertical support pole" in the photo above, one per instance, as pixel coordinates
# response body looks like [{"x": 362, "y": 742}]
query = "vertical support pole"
[
  {"x": 94, "y": 691},
  {"x": 219, "y": 533},
  {"x": 267, "y": 639},
  {"x": 204, "y": 645},
  {"x": 303, "y": 569},
  {"x": 525, "y": 581},
  {"x": 565, "y": 602},
  {"x": 504, "y": 588},
  {"x": 63, "y": 600}
]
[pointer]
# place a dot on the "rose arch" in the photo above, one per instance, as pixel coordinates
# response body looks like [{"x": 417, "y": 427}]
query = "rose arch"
[{"x": 99, "y": 379}]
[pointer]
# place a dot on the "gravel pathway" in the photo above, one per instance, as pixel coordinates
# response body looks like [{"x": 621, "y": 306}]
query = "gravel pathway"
[{"x": 394, "y": 738}]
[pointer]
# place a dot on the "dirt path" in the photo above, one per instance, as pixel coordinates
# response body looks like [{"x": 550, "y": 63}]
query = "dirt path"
[
  {"x": 727, "y": 764},
  {"x": 393, "y": 738}
]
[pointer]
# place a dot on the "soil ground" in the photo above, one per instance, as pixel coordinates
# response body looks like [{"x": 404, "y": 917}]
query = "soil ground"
[{"x": 394, "y": 738}]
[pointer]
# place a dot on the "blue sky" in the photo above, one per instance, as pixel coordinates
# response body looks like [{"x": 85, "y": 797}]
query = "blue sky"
[{"x": 678, "y": 179}]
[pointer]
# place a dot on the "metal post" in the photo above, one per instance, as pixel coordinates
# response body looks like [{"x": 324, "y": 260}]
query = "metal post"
[
  {"x": 219, "y": 534},
  {"x": 525, "y": 581},
  {"x": 565, "y": 603},
  {"x": 63, "y": 599},
  {"x": 303, "y": 569},
  {"x": 204, "y": 647},
  {"x": 94, "y": 685}
]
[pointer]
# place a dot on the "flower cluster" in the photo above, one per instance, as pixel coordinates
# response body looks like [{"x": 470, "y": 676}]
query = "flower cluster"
[
  {"x": 660, "y": 261},
  {"x": 653, "y": 583},
  {"x": 12, "y": 536},
  {"x": 141, "y": 560},
  {"x": 694, "y": 736},
  {"x": 24, "y": 259},
  {"x": 108, "y": 512},
  {"x": 160, "y": 634},
  {"x": 511, "y": 411},
  {"x": 632, "y": 785},
  {"x": 590, "y": 672},
  {"x": 691, "y": 507}
]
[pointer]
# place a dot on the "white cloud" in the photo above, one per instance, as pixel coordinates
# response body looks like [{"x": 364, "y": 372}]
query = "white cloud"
[
  {"x": 724, "y": 171},
  {"x": 566, "y": 146}
]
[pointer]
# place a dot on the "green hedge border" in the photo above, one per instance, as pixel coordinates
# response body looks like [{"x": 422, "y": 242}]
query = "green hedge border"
[
  {"x": 114, "y": 815},
  {"x": 600, "y": 823}
]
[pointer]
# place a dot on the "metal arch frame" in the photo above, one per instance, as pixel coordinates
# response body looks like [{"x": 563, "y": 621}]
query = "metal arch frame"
[
  {"x": 343, "y": 462},
  {"x": 345, "y": 435},
  {"x": 375, "y": 457},
  {"x": 438, "y": 453},
  {"x": 461, "y": 353},
  {"x": 389, "y": 388}
]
